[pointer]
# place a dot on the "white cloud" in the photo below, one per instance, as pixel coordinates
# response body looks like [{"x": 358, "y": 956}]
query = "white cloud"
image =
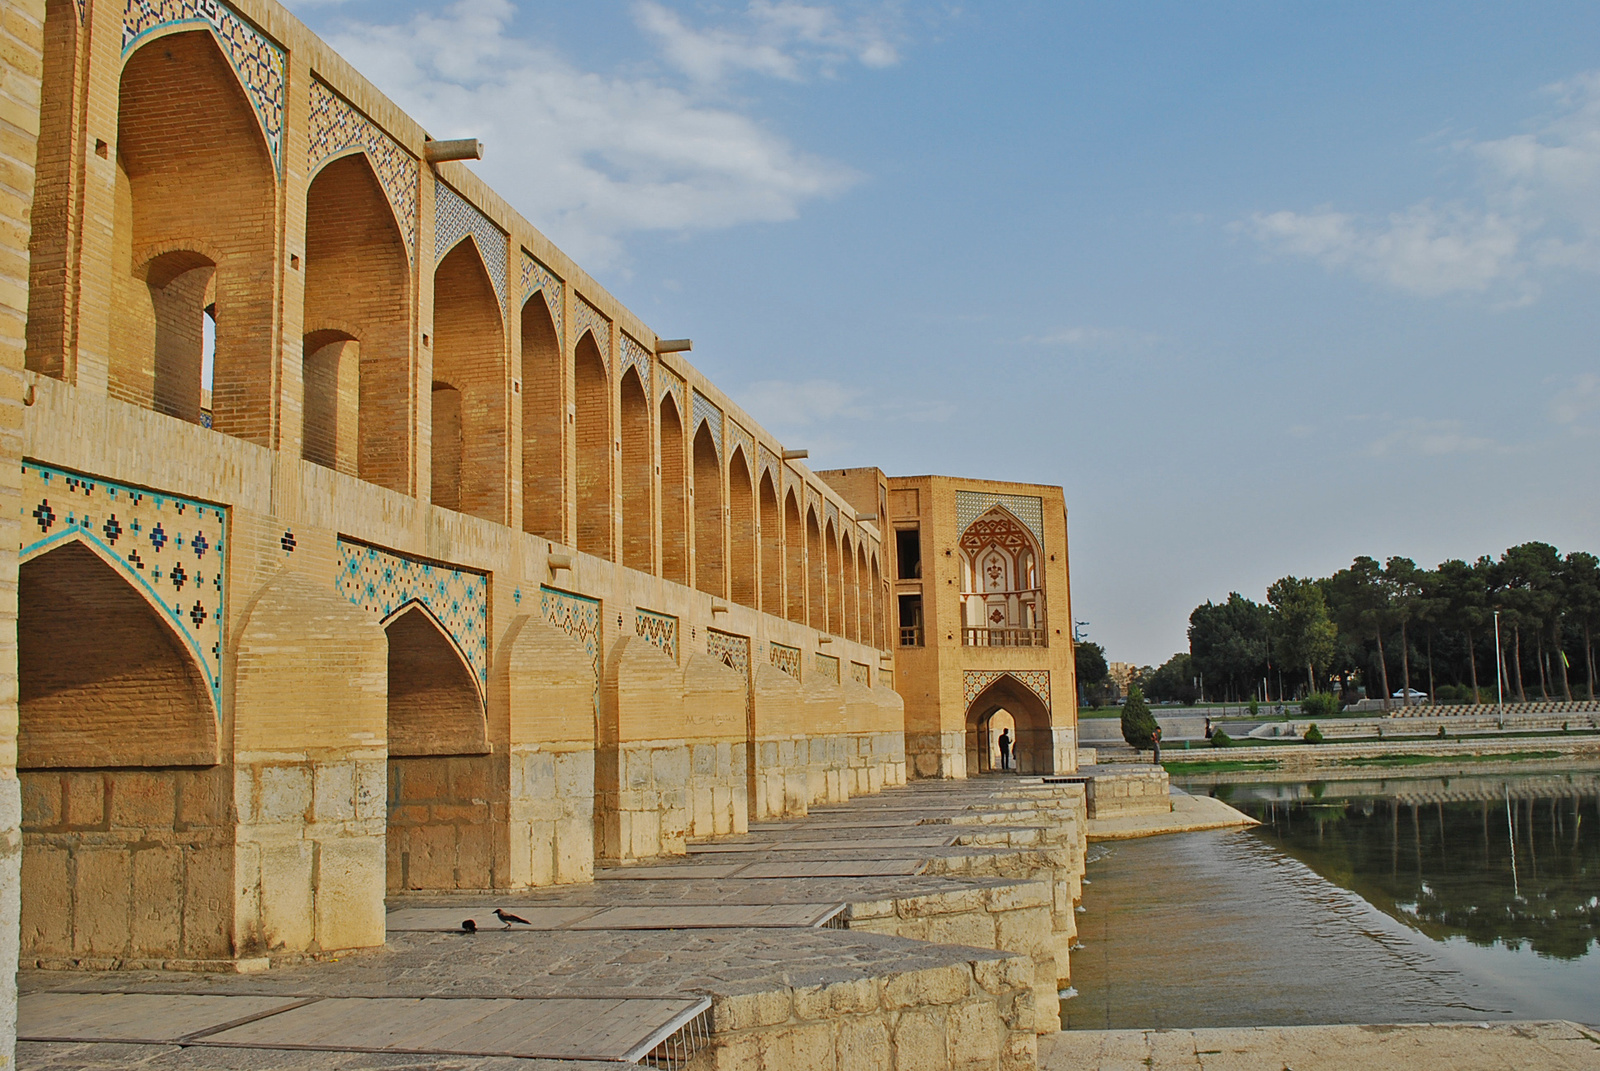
[
  {"x": 1578, "y": 400},
  {"x": 1094, "y": 338},
  {"x": 1432, "y": 438},
  {"x": 1538, "y": 210},
  {"x": 782, "y": 39},
  {"x": 588, "y": 158},
  {"x": 785, "y": 406}
]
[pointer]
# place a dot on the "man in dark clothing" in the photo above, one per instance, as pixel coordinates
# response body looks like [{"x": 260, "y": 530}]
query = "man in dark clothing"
[{"x": 1005, "y": 749}]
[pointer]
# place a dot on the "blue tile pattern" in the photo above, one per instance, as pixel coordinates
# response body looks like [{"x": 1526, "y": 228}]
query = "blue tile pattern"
[
  {"x": 537, "y": 277},
  {"x": 387, "y": 584},
  {"x": 259, "y": 63},
  {"x": 673, "y": 384},
  {"x": 579, "y": 617},
  {"x": 1029, "y": 509},
  {"x": 454, "y": 217},
  {"x": 636, "y": 356},
  {"x": 590, "y": 319},
  {"x": 738, "y": 438},
  {"x": 732, "y": 651},
  {"x": 705, "y": 409},
  {"x": 658, "y": 629},
  {"x": 786, "y": 658},
  {"x": 336, "y": 128},
  {"x": 173, "y": 550}
]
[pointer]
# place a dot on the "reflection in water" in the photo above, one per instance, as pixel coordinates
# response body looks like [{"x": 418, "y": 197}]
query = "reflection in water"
[
  {"x": 1488, "y": 860},
  {"x": 1376, "y": 901}
]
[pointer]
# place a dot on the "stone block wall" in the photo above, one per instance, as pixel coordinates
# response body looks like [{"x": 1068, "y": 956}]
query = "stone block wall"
[{"x": 1124, "y": 794}]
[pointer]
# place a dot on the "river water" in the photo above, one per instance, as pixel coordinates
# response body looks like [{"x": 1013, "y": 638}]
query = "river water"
[{"x": 1394, "y": 899}]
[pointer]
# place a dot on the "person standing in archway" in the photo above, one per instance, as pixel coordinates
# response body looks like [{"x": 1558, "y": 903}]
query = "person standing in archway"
[{"x": 1005, "y": 749}]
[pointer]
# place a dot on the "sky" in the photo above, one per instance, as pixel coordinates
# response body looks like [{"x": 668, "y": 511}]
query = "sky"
[{"x": 1263, "y": 286}]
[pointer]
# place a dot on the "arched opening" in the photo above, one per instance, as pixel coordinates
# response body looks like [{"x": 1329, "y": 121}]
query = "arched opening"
[
  {"x": 439, "y": 763},
  {"x": 592, "y": 389},
  {"x": 863, "y": 596},
  {"x": 742, "y": 547},
  {"x": 852, "y": 590},
  {"x": 123, "y": 813},
  {"x": 358, "y": 287},
  {"x": 175, "y": 165},
  {"x": 674, "y": 496},
  {"x": 469, "y": 357},
  {"x": 1033, "y": 744},
  {"x": 708, "y": 548},
  {"x": 835, "y": 572},
  {"x": 771, "y": 548},
  {"x": 330, "y": 374},
  {"x": 816, "y": 573},
  {"x": 638, "y": 523},
  {"x": 542, "y": 481},
  {"x": 446, "y": 446},
  {"x": 880, "y": 638},
  {"x": 795, "y": 558},
  {"x": 1002, "y": 598}
]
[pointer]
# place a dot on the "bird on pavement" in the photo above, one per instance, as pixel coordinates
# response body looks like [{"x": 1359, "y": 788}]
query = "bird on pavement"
[
  {"x": 469, "y": 926},
  {"x": 508, "y": 918}
]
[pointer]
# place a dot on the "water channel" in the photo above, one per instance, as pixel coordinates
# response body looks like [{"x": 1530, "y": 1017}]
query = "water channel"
[{"x": 1365, "y": 899}]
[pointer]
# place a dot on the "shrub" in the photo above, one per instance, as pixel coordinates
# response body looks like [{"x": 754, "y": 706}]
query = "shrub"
[
  {"x": 1221, "y": 739},
  {"x": 1138, "y": 724},
  {"x": 1441, "y": 732},
  {"x": 1313, "y": 734},
  {"x": 1320, "y": 705},
  {"x": 1255, "y": 706}
]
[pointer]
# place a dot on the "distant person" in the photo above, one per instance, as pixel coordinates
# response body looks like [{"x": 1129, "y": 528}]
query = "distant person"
[
  {"x": 1209, "y": 729},
  {"x": 1005, "y": 749},
  {"x": 1155, "y": 743}
]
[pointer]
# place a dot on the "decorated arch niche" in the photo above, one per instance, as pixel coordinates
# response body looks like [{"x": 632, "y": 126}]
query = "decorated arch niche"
[
  {"x": 638, "y": 521},
  {"x": 674, "y": 494},
  {"x": 1015, "y": 699},
  {"x": 469, "y": 419},
  {"x": 742, "y": 548},
  {"x": 771, "y": 547},
  {"x": 1002, "y": 596}
]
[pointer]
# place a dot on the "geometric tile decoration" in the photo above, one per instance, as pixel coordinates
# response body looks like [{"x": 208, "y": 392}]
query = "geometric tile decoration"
[
  {"x": 336, "y": 127},
  {"x": 673, "y": 384},
  {"x": 454, "y": 217},
  {"x": 536, "y": 276},
  {"x": 579, "y": 617},
  {"x": 173, "y": 549},
  {"x": 636, "y": 356},
  {"x": 974, "y": 681},
  {"x": 705, "y": 409},
  {"x": 732, "y": 651},
  {"x": 831, "y": 509},
  {"x": 970, "y": 505},
  {"x": 738, "y": 437},
  {"x": 387, "y": 584},
  {"x": 786, "y": 658},
  {"x": 860, "y": 673},
  {"x": 769, "y": 460},
  {"x": 595, "y": 322},
  {"x": 660, "y": 630},
  {"x": 828, "y": 666},
  {"x": 258, "y": 62}
]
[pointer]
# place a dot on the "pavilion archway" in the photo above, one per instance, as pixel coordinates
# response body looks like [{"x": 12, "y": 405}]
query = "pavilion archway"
[{"x": 1033, "y": 748}]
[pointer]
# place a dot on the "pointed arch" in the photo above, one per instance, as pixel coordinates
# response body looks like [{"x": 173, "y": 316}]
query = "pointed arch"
[
  {"x": 674, "y": 495},
  {"x": 435, "y": 707},
  {"x": 356, "y": 381},
  {"x": 835, "y": 575},
  {"x": 176, "y": 256},
  {"x": 742, "y": 543},
  {"x": 880, "y": 602},
  {"x": 795, "y": 556},
  {"x": 816, "y": 574},
  {"x": 864, "y": 595},
  {"x": 709, "y": 549},
  {"x": 850, "y": 604},
  {"x": 469, "y": 447},
  {"x": 638, "y": 521},
  {"x": 1002, "y": 598},
  {"x": 543, "y": 479},
  {"x": 1034, "y": 746},
  {"x": 592, "y": 435},
  {"x": 771, "y": 541}
]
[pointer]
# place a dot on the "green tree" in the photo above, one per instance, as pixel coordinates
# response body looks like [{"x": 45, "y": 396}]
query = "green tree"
[
  {"x": 1302, "y": 633},
  {"x": 1462, "y": 592},
  {"x": 1089, "y": 658},
  {"x": 1228, "y": 642},
  {"x": 1172, "y": 680},
  {"x": 1404, "y": 581},
  {"x": 1360, "y": 599},
  {"x": 1138, "y": 724},
  {"x": 1581, "y": 579}
]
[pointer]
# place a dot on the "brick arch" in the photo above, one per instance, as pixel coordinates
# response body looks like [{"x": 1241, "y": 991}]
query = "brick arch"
[
  {"x": 638, "y": 520},
  {"x": 104, "y": 677},
  {"x": 469, "y": 357},
  {"x": 771, "y": 517},
  {"x": 795, "y": 555},
  {"x": 710, "y": 556},
  {"x": 816, "y": 573},
  {"x": 362, "y": 151},
  {"x": 1034, "y": 747},
  {"x": 592, "y": 403},
  {"x": 835, "y": 574},
  {"x": 865, "y": 596},
  {"x": 674, "y": 494},
  {"x": 435, "y": 704},
  {"x": 543, "y": 416},
  {"x": 358, "y": 283},
  {"x": 742, "y": 518},
  {"x": 212, "y": 150}
]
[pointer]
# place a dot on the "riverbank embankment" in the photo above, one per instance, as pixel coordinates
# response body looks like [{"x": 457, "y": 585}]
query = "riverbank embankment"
[{"x": 1189, "y": 814}]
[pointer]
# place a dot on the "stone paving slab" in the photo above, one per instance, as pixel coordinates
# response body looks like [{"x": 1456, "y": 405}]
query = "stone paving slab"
[
  {"x": 56, "y": 1056},
  {"x": 136, "y": 1017},
  {"x": 1534, "y": 1046},
  {"x": 704, "y": 891}
]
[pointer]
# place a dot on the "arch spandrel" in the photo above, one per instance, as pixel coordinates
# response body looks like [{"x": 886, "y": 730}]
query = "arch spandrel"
[
  {"x": 171, "y": 549},
  {"x": 258, "y": 62},
  {"x": 337, "y": 129},
  {"x": 455, "y": 218},
  {"x": 538, "y": 279}
]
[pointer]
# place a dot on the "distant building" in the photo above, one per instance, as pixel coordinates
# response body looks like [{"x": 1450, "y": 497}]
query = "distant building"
[{"x": 1123, "y": 675}]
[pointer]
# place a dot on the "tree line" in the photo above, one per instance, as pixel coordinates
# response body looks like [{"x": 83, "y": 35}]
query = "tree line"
[{"x": 1388, "y": 628}]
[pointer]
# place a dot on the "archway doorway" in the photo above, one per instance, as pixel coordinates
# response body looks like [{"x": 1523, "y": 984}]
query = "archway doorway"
[{"x": 1008, "y": 703}]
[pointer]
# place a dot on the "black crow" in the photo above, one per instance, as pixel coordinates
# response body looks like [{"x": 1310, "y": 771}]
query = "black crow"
[
  {"x": 469, "y": 926},
  {"x": 508, "y": 918}
]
